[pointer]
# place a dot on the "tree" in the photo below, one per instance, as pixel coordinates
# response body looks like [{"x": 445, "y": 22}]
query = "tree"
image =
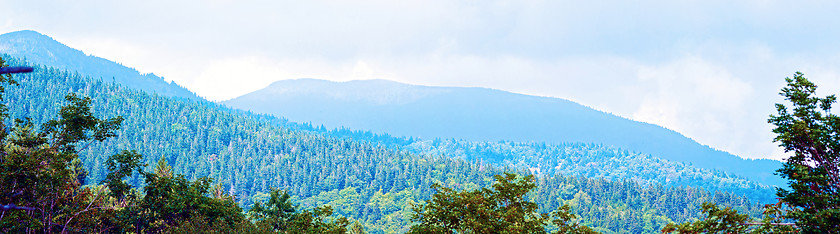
[
  {"x": 775, "y": 220},
  {"x": 41, "y": 180},
  {"x": 120, "y": 166},
  {"x": 717, "y": 220},
  {"x": 171, "y": 199},
  {"x": 279, "y": 214},
  {"x": 5, "y": 79},
  {"x": 356, "y": 228},
  {"x": 40, "y": 174},
  {"x": 728, "y": 220},
  {"x": 502, "y": 209},
  {"x": 812, "y": 133},
  {"x": 315, "y": 222}
]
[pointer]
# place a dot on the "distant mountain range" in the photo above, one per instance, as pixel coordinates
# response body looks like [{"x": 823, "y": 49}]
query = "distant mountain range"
[
  {"x": 375, "y": 178},
  {"x": 482, "y": 114},
  {"x": 41, "y": 49},
  {"x": 476, "y": 114}
]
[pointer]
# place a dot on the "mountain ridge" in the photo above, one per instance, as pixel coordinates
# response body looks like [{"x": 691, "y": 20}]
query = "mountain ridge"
[
  {"x": 482, "y": 114},
  {"x": 42, "y": 49},
  {"x": 248, "y": 154},
  {"x": 399, "y": 101}
]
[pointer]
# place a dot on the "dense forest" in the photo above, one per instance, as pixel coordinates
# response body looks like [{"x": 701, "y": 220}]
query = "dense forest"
[
  {"x": 577, "y": 159},
  {"x": 373, "y": 183},
  {"x": 481, "y": 114}
]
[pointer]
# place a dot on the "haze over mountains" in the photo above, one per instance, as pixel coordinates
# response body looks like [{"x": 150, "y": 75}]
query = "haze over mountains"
[
  {"x": 382, "y": 106},
  {"x": 376, "y": 178},
  {"x": 481, "y": 114}
]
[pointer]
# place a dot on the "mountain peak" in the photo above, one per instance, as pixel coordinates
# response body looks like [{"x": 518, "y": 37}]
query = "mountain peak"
[
  {"x": 25, "y": 33},
  {"x": 376, "y": 91},
  {"x": 40, "y": 49},
  {"x": 36, "y": 47},
  {"x": 480, "y": 114},
  {"x": 314, "y": 81},
  {"x": 29, "y": 40}
]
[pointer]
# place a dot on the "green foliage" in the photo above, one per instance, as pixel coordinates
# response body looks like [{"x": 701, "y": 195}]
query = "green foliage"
[
  {"x": 170, "y": 199},
  {"x": 717, "y": 220},
  {"x": 315, "y": 221},
  {"x": 120, "y": 166},
  {"x": 77, "y": 123},
  {"x": 729, "y": 220},
  {"x": 202, "y": 225},
  {"x": 502, "y": 209},
  {"x": 247, "y": 155},
  {"x": 812, "y": 133},
  {"x": 279, "y": 214},
  {"x": 564, "y": 222},
  {"x": 41, "y": 175},
  {"x": 775, "y": 220},
  {"x": 356, "y": 228},
  {"x": 41, "y": 180},
  {"x": 5, "y": 79},
  {"x": 575, "y": 159}
]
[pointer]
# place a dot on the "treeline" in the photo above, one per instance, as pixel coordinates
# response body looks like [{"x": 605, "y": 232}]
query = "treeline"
[
  {"x": 366, "y": 182},
  {"x": 593, "y": 161},
  {"x": 571, "y": 159},
  {"x": 41, "y": 183}
]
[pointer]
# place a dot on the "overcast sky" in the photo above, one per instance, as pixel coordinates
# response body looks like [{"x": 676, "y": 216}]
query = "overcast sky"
[{"x": 709, "y": 69}]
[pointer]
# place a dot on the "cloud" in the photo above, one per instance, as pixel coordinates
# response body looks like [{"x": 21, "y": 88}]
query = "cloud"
[
  {"x": 709, "y": 69},
  {"x": 699, "y": 99}
]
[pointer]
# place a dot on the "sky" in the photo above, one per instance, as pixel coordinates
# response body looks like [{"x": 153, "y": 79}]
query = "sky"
[{"x": 711, "y": 70}]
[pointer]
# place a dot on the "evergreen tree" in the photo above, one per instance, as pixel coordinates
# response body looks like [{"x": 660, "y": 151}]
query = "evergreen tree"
[
  {"x": 812, "y": 133},
  {"x": 247, "y": 154},
  {"x": 502, "y": 209},
  {"x": 279, "y": 214}
]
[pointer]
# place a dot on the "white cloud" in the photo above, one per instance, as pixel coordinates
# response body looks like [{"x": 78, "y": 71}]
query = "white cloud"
[
  {"x": 698, "y": 99},
  {"x": 709, "y": 69}
]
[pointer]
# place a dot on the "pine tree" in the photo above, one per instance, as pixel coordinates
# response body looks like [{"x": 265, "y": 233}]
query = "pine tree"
[{"x": 812, "y": 133}]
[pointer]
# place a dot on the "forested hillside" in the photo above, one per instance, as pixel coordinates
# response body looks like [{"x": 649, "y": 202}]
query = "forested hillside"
[
  {"x": 249, "y": 154},
  {"x": 481, "y": 114},
  {"x": 594, "y": 161},
  {"x": 578, "y": 159},
  {"x": 41, "y": 49}
]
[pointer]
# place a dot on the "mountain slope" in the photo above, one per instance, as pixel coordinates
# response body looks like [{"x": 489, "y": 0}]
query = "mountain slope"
[
  {"x": 249, "y": 154},
  {"x": 40, "y": 49},
  {"x": 482, "y": 115}
]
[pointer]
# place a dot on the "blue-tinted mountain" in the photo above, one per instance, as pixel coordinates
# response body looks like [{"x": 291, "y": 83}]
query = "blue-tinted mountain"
[
  {"x": 249, "y": 154},
  {"x": 364, "y": 180},
  {"x": 41, "y": 49},
  {"x": 481, "y": 114}
]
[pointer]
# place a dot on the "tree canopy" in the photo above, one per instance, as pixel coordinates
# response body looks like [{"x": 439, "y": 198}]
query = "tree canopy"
[
  {"x": 812, "y": 134},
  {"x": 246, "y": 155},
  {"x": 41, "y": 185},
  {"x": 500, "y": 209}
]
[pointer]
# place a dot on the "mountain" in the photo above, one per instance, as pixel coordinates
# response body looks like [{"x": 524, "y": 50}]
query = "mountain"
[
  {"x": 41, "y": 49},
  {"x": 368, "y": 180},
  {"x": 37, "y": 47},
  {"x": 426, "y": 112},
  {"x": 482, "y": 114},
  {"x": 249, "y": 154}
]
